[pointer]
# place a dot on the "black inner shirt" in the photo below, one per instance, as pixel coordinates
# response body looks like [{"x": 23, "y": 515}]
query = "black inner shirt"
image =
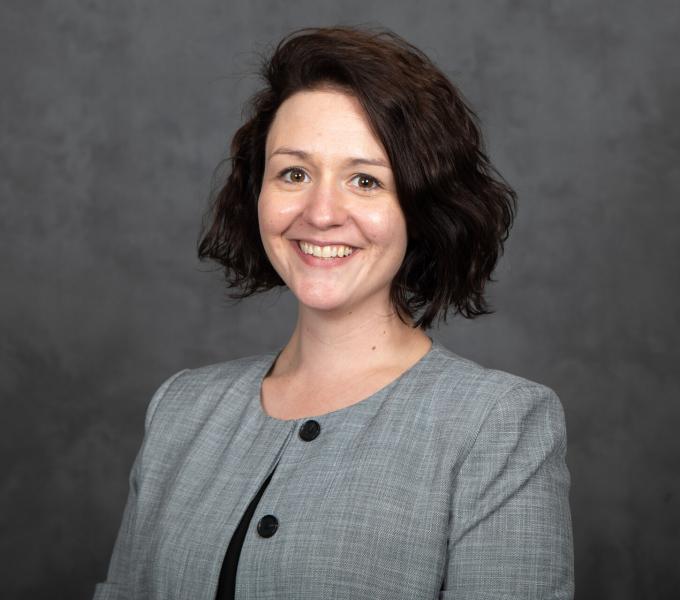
[{"x": 227, "y": 582}]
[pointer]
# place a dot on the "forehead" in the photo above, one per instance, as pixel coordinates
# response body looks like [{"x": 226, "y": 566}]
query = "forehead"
[{"x": 323, "y": 120}]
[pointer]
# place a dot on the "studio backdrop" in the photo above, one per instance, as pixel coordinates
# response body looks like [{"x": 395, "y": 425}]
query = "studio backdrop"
[{"x": 114, "y": 118}]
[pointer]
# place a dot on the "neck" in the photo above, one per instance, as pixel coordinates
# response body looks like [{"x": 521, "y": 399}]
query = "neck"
[{"x": 328, "y": 347}]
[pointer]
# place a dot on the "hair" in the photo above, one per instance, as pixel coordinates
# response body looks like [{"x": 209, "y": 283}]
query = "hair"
[{"x": 458, "y": 209}]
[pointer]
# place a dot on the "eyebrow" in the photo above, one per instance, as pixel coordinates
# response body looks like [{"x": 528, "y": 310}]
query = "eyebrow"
[{"x": 351, "y": 161}]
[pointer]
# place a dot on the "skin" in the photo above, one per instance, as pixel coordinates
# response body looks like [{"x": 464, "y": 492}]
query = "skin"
[{"x": 348, "y": 341}]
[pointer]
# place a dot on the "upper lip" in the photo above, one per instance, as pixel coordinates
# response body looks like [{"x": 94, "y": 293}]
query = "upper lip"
[{"x": 324, "y": 243}]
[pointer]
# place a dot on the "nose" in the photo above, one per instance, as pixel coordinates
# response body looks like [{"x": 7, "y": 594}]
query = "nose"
[{"x": 325, "y": 205}]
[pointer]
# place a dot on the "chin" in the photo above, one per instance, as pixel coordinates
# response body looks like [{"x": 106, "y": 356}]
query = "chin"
[
  {"x": 321, "y": 300},
  {"x": 326, "y": 304}
]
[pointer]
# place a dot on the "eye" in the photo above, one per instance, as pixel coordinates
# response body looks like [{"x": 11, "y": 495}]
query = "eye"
[
  {"x": 366, "y": 182},
  {"x": 297, "y": 175}
]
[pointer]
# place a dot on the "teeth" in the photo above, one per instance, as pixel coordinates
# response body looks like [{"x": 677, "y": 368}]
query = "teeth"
[{"x": 325, "y": 251}]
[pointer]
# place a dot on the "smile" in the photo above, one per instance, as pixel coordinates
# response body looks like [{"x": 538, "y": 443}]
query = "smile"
[
  {"x": 323, "y": 256},
  {"x": 325, "y": 251}
]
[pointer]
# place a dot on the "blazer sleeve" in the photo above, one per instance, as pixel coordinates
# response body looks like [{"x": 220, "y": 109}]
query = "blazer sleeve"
[
  {"x": 510, "y": 533},
  {"x": 116, "y": 586}
]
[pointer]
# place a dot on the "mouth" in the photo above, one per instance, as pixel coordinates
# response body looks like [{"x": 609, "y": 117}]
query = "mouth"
[
  {"x": 325, "y": 250},
  {"x": 327, "y": 255}
]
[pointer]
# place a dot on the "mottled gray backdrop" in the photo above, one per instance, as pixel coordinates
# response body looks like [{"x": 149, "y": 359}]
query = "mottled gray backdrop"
[{"x": 114, "y": 116}]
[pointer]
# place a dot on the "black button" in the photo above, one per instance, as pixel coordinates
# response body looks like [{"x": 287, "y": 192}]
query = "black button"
[
  {"x": 309, "y": 430},
  {"x": 267, "y": 526}
]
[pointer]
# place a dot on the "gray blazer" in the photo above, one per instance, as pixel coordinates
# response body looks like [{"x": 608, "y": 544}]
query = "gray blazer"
[{"x": 448, "y": 483}]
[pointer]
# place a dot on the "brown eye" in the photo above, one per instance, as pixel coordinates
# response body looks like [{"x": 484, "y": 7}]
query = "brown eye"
[
  {"x": 296, "y": 175},
  {"x": 366, "y": 182}
]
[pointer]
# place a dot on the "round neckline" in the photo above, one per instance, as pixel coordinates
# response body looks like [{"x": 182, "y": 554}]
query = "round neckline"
[{"x": 261, "y": 376}]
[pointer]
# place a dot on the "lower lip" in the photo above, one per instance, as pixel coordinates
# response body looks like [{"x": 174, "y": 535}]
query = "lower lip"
[{"x": 315, "y": 261}]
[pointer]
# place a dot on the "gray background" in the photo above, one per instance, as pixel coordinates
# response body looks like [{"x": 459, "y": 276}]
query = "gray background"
[{"x": 114, "y": 116}]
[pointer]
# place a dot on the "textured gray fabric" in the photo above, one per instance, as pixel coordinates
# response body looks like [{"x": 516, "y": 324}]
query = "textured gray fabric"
[{"x": 449, "y": 482}]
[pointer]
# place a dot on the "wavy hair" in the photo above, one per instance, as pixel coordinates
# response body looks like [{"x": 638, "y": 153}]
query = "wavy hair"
[{"x": 458, "y": 209}]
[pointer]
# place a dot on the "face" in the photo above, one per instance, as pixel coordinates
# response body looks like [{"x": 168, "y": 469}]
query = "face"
[{"x": 327, "y": 189}]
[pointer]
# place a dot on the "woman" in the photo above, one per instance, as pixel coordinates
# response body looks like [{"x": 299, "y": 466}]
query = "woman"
[{"x": 363, "y": 459}]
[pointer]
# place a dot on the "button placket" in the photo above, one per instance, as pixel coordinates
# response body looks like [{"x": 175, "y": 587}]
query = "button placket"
[{"x": 268, "y": 524}]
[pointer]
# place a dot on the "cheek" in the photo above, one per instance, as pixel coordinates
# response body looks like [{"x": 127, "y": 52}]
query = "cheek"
[
  {"x": 268, "y": 217},
  {"x": 267, "y": 225},
  {"x": 276, "y": 212},
  {"x": 263, "y": 206},
  {"x": 386, "y": 227},
  {"x": 270, "y": 228}
]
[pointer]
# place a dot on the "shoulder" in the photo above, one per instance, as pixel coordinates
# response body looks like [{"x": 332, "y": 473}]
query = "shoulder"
[
  {"x": 469, "y": 392},
  {"x": 204, "y": 386},
  {"x": 469, "y": 379}
]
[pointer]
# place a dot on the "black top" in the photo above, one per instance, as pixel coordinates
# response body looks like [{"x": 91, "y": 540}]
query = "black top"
[{"x": 227, "y": 583}]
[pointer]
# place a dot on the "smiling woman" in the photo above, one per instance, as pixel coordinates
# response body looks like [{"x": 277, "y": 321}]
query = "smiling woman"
[
  {"x": 325, "y": 209},
  {"x": 363, "y": 459}
]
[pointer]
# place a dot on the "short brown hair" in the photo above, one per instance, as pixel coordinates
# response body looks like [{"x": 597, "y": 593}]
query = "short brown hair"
[{"x": 458, "y": 209}]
